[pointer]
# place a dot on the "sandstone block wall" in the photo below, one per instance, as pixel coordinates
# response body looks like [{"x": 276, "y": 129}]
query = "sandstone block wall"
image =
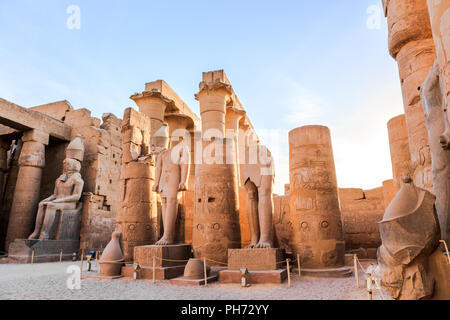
[{"x": 361, "y": 211}]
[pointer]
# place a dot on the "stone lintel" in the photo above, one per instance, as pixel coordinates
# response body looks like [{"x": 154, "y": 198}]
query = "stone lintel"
[{"x": 22, "y": 119}]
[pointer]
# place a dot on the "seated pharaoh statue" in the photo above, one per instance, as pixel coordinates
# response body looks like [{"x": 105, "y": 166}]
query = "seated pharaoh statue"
[
  {"x": 58, "y": 216},
  {"x": 172, "y": 173}
]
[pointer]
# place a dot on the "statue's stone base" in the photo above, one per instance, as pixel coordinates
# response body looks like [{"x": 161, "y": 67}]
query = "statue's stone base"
[
  {"x": 256, "y": 259},
  {"x": 200, "y": 282},
  {"x": 170, "y": 261},
  {"x": 343, "y": 272},
  {"x": 254, "y": 277},
  {"x": 21, "y": 251},
  {"x": 263, "y": 265}
]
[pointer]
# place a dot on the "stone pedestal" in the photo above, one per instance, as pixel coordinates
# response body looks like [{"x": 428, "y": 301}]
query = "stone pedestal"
[
  {"x": 263, "y": 265},
  {"x": 170, "y": 261},
  {"x": 21, "y": 251}
]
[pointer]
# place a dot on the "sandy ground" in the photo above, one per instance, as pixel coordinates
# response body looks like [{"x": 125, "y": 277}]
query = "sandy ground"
[{"x": 48, "y": 282}]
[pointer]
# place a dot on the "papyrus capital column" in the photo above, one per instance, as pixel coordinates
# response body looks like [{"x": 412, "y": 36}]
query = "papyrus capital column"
[
  {"x": 213, "y": 98},
  {"x": 26, "y": 195},
  {"x": 153, "y": 104}
]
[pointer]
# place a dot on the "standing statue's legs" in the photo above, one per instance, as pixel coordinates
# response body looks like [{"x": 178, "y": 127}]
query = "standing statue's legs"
[
  {"x": 39, "y": 220},
  {"x": 170, "y": 212},
  {"x": 265, "y": 209},
  {"x": 252, "y": 212}
]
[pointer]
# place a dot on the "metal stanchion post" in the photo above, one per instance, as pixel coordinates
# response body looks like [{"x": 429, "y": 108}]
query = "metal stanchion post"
[
  {"x": 298, "y": 264},
  {"x": 204, "y": 270},
  {"x": 154, "y": 269},
  {"x": 288, "y": 272},
  {"x": 355, "y": 264}
]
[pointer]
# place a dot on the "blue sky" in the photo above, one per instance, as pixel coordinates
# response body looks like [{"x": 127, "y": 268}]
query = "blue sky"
[{"x": 292, "y": 63}]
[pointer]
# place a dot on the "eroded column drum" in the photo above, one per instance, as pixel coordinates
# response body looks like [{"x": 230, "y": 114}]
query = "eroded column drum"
[
  {"x": 315, "y": 215},
  {"x": 216, "y": 219}
]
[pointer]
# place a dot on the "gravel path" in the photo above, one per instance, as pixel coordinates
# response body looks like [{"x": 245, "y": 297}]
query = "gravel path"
[{"x": 48, "y": 282}]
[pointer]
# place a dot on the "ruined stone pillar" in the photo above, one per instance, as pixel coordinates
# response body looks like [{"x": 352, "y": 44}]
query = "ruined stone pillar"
[
  {"x": 216, "y": 219},
  {"x": 399, "y": 146},
  {"x": 137, "y": 216},
  {"x": 411, "y": 45},
  {"x": 26, "y": 195},
  {"x": 314, "y": 202}
]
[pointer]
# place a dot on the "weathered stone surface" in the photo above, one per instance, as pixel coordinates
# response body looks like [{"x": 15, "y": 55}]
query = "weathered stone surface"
[
  {"x": 411, "y": 44},
  {"x": 400, "y": 150},
  {"x": 283, "y": 230},
  {"x": 410, "y": 234},
  {"x": 112, "y": 258},
  {"x": 432, "y": 100},
  {"x": 22, "y": 119},
  {"x": 388, "y": 192},
  {"x": 165, "y": 256},
  {"x": 21, "y": 251},
  {"x": 216, "y": 219},
  {"x": 254, "y": 277},
  {"x": 361, "y": 211},
  {"x": 314, "y": 203},
  {"x": 256, "y": 259}
]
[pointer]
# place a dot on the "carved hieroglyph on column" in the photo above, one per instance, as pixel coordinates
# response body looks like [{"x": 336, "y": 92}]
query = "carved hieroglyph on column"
[
  {"x": 26, "y": 195},
  {"x": 399, "y": 146},
  {"x": 216, "y": 219},
  {"x": 440, "y": 24},
  {"x": 315, "y": 213},
  {"x": 411, "y": 45},
  {"x": 432, "y": 100}
]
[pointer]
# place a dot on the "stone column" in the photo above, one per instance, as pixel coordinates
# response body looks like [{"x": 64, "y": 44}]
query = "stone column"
[
  {"x": 399, "y": 146},
  {"x": 4, "y": 147},
  {"x": 153, "y": 104},
  {"x": 232, "y": 118},
  {"x": 439, "y": 11},
  {"x": 137, "y": 217},
  {"x": 411, "y": 45},
  {"x": 314, "y": 202},
  {"x": 26, "y": 195},
  {"x": 213, "y": 98},
  {"x": 388, "y": 192},
  {"x": 216, "y": 219}
]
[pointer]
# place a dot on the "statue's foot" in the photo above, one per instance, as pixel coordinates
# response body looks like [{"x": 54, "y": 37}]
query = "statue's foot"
[
  {"x": 165, "y": 242},
  {"x": 252, "y": 245},
  {"x": 34, "y": 236},
  {"x": 264, "y": 245}
]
